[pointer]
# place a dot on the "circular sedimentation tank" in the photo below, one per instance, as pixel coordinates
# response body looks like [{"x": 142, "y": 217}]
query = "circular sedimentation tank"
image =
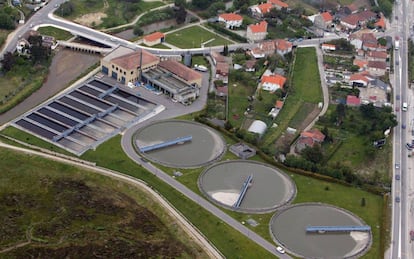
[
  {"x": 288, "y": 228},
  {"x": 268, "y": 189},
  {"x": 206, "y": 145}
]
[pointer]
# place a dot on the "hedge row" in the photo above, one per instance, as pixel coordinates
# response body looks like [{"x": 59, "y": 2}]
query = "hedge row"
[{"x": 232, "y": 35}]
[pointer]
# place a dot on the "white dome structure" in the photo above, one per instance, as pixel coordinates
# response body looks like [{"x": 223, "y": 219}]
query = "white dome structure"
[{"x": 258, "y": 127}]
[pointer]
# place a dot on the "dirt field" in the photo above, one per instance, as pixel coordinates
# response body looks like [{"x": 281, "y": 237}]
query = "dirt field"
[
  {"x": 66, "y": 66},
  {"x": 91, "y": 19}
]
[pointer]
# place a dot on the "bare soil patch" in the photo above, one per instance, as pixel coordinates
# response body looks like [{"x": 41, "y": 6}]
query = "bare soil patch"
[{"x": 91, "y": 19}]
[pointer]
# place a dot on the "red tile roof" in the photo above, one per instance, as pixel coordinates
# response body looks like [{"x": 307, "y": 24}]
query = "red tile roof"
[
  {"x": 327, "y": 17},
  {"x": 259, "y": 27},
  {"x": 377, "y": 64},
  {"x": 279, "y": 3},
  {"x": 315, "y": 134},
  {"x": 377, "y": 54},
  {"x": 355, "y": 77},
  {"x": 279, "y": 104},
  {"x": 132, "y": 60},
  {"x": 283, "y": 44},
  {"x": 231, "y": 17},
  {"x": 352, "y": 100},
  {"x": 380, "y": 22},
  {"x": 154, "y": 36},
  {"x": 265, "y": 8},
  {"x": 180, "y": 70},
  {"x": 274, "y": 79}
]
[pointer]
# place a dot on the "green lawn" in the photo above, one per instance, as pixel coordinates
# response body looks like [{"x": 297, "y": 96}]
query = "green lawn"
[
  {"x": 55, "y": 32},
  {"x": 193, "y": 37},
  {"x": 3, "y": 36}
]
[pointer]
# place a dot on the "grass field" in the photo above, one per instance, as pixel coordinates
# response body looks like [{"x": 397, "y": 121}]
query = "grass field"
[
  {"x": 55, "y": 32},
  {"x": 56, "y": 209},
  {"x": 3, "y": 36},
  {"x": 193, "y": 37}
]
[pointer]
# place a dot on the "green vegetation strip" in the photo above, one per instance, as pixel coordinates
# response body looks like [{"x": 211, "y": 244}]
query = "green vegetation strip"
[
  {"x": 193, "y": 37},
  {"x": 304, "y": 88},
  {"x": 57, "y": 33}
]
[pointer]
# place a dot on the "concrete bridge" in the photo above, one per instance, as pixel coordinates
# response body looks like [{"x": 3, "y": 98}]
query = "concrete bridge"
[{"x": 83, "y": 47}]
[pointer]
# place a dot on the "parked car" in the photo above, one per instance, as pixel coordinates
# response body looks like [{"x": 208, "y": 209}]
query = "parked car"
[
  {"x": 403, "y": 126},
  {"x": 397, "y": 177},
  {"x": 398, "y": 97},
  {"x": 412, "y": 235},
  {"x": 397, "y": 165},
  {"x": 408, "y": 146},
  {"x": 397, "y": 199},
  {"x": 280, "y": 250}
]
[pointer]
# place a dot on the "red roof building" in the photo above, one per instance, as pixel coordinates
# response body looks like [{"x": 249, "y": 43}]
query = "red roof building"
[
  {"x": 257, "y": 32},
  {"x": 352, "y": 100},
  {"x": 186, "y": 74},
  {"x": 278, "y": 4},
  {"x": 154, "y": 38},
  {"x": 309, "y": 139},
  {"x": 231, "y": 19}
]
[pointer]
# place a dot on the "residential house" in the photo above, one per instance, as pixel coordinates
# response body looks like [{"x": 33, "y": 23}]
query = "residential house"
[
  {"x": 278, "y": 4},
  {"x": 326, "y": 46},
  {"x": 361, "y": 63},
  {"x": 257, "y": 53},
  {"x": 309, "y": 139},
  {"x": 257, "y": 32},
  {"x": 217, "y": 57},
  {"x": 350, "y": 9},
  {"x": 249, "y": 66},
  {"x": 154, "y": 38},
  {"x": 260, "y": 10},
  {"x": 222, "y": 72},
  {"x": 268, "y": 47},
  {"x": 272, "y": 82},
  {"x": 353, "y": 101},
  {"x": 377, "y": 68},
  {"x": 369, "y": 41},
  {"x": 231, "y": 20},
  {"x": 323, "y": 21},
  {"x": 222, "y": 91},
  {"x": 359, "y": 80},
  {"x": 377, "y": 55},
  {"x": 23, "y": 47},
  {"x": 352, "y": 21},
  {"x": 283, "y": 46},
  {"x": 381, "y": 24}
]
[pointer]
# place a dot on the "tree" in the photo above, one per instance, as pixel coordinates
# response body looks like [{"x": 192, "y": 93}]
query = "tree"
[
  {"x": 363, "y": 202},
  {"x": 6, "y": 21},
  {"x": 8, "y": 61},
  {"x": 179, "y": 3},
  {"x": 66, "y": 9},
  {"x": 138, "y": 31},
  {"x": 313, "y": 154},
  {"x": 340, "y": 112},
  {"x": 180, "y": 14},
  {"x": 225, "y": 50}
]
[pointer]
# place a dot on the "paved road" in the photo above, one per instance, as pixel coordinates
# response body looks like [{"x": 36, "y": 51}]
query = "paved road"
[
  {"x": 400, "y": 215},
  {"x": 187, "y": 226}
]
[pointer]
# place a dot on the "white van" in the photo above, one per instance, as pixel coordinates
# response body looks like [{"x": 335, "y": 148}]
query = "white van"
[{"x": 404, "y": 106}]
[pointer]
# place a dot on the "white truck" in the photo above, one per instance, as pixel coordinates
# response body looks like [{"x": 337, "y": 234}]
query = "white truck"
[
  {"x": 397, "y": 43},
  {"x": 404, "y": 107}
]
